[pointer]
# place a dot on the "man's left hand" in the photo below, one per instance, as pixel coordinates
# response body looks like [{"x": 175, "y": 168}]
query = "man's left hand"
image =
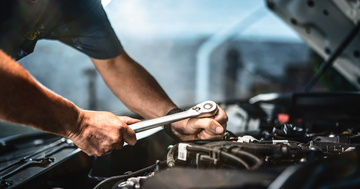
[{"x": 211, "y": 128}]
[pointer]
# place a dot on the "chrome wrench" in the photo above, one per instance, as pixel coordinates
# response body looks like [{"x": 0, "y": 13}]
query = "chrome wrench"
[{"x": 204, "y": 109}]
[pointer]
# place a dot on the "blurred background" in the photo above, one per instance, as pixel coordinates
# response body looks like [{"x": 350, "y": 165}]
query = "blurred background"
[{"x": 197, "y": 50}]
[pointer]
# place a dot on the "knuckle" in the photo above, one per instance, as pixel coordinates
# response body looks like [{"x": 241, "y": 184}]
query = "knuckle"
[
  {"x": 118, "y": 141},
  {"x": 209, "y": 123},
  {"x": 98, "y": 154},
  {"x": 95, "y": 154},
  {"x": 226, "y": 118},
  {"x": 121, "y": 128},
  {"x": 120, "y": 145},
  {"x": 88, "y": 153},
  {"x": 102, "y": 152},
  {"x": 115, "y": 138},
  {"x": 223, "y": 119}
]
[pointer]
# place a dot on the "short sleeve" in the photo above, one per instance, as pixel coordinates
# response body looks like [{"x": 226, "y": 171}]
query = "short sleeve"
[{"x": 89, "y": 32}]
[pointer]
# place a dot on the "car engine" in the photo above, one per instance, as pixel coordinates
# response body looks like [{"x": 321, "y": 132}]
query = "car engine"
[
  {"x": 278, "y": 140},
  {"x": 309, "y": 141}
]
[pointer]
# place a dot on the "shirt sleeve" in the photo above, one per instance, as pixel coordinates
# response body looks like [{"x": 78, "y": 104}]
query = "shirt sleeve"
[{"x": 89, "y": 32}]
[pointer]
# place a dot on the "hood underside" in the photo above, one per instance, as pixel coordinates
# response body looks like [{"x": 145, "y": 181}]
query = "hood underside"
[{"x": 324, "y": 25}]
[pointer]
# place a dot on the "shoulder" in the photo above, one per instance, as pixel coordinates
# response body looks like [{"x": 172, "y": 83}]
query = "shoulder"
[{"x": 72, "y": 9}]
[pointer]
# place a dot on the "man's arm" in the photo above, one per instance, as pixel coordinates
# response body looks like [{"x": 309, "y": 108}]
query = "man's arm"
[
  {"x": 134, "y": 86},
  {"x": 25, "y": 101},
  {"x": 141, "y": 93}
]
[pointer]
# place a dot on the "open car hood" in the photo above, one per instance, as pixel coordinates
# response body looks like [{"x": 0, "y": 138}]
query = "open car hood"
[{"x": 324, "y": 25}]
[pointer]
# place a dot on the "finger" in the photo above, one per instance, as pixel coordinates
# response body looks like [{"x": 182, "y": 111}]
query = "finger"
[
  {"x": 203, "y": 135},
  {"x": 118, "y": 146},
  {"x": 128, "y": 120},
  {"x": 129, "y": 136},
  {"x": 210, "y": 126},
  {"x": 102, "y": 150},
  {"x": 221, "y": 116}
]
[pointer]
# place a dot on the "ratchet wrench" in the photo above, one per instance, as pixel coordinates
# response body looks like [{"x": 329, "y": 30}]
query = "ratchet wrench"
[{"x": 204, "y": 109}]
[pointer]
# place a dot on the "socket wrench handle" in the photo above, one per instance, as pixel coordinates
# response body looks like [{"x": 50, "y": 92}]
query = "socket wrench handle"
[{"x": 204, "y": 109}]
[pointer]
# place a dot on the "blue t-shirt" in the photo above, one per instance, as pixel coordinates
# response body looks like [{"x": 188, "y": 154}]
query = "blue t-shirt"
[{"x": 82, "y": 24}]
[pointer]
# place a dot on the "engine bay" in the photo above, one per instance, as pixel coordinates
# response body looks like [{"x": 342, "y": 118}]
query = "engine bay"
[
  {"x": 308, "y": 143},
  {"x": 302, "y": 140},
  {"x": 278, "y": 140}
]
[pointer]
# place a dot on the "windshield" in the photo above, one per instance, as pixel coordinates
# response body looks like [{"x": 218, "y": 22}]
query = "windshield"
[{"x": 197, "y": 50}]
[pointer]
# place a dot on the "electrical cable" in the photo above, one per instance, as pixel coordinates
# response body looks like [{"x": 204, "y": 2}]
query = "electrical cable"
[{"x": 257, "y": 160}]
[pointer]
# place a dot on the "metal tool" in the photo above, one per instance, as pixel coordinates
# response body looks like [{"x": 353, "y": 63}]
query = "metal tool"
[{"x": 204, "y": 109}]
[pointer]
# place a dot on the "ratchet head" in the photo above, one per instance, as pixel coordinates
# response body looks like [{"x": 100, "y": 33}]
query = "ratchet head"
[{"x": 205, "y": 109}]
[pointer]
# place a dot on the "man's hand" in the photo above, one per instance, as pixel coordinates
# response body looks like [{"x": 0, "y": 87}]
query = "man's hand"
[
  {"x": 202, "y": 128},
  {"x": 101, "y": 132},
  {"x": 141, "y": 93}
]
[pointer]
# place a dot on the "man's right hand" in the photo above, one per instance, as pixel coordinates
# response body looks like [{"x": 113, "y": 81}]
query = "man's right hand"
[
  {"x": 29, "y": 103},
  {"x": 100, "y": 132}
]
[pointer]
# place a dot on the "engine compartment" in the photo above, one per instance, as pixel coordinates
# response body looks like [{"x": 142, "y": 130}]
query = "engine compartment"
[
  {"x": 294, "y": 140},
  {"x": 300, "y": 140},
  {"x": 304, "y": 142}
]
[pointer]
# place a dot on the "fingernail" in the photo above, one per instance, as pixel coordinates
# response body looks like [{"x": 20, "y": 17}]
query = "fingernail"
[{"x": 219, "y": 130}]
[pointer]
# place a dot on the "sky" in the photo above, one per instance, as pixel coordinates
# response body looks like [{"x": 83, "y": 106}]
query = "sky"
[{"x": 191, "y": 18}]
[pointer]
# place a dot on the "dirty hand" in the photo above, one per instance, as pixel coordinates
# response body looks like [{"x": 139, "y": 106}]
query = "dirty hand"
[
  {"x": 209, "y": 128},
  {"x": 101, "y": 132}
]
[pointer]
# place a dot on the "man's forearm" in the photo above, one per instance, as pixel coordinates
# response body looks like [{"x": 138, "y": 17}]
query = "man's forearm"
[
  {"x": 139, "y": 91},
  {"x": 25, "y": 101},
  {"x": 134, "y": 86}
]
